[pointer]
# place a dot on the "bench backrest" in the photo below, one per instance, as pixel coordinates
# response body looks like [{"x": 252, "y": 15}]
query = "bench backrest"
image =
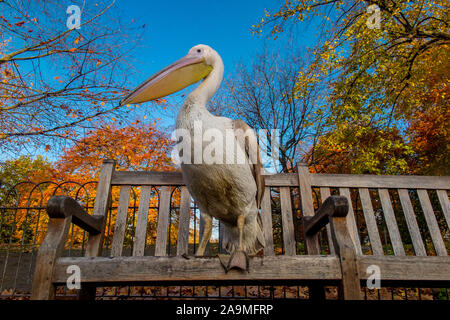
[{"x": 300, "y": 192}]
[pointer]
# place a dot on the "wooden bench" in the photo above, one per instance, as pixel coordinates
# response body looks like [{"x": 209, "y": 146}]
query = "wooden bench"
[{"x": 344, "y": 267}]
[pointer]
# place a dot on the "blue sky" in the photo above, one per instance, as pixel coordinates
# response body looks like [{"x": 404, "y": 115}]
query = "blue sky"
[{"x": 173, "y": 27}]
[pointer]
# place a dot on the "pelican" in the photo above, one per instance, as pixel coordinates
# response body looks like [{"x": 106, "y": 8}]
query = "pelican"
[{"x": 229, "y": 192}]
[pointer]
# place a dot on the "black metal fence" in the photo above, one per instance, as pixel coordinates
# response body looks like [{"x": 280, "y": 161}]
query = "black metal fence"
[{"x": 23, "y": 223}]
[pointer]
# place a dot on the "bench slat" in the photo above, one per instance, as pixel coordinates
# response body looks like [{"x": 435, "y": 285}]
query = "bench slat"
[
  {"x": 141, "y": 178},
  {"x": 291, "y": 179},
  {"x": 287, "y": 221},
  {"x": 433, "y": 226},
  {"x": 145, "y": 269},
  {"x": 101, "y": 206},
  {"x": 147, "y": 178},
  {"x": 183, "y": 225},
  {"x": 304, "y": 182},
  {"x": 141, "y": 223},
  {"x": 408, "y": 268},
  {"x": 324, "y": 194},
  {"x": 371, "y": 222},
  {"x": 445, "y": 204},
  {"x": 391, "y": 223},
  {"x": 163, "y": 222},
  {"x": 121, "y": 220},
  {"x": 411, "y": 222},
  {"x": 351, "y": 222},
  {"x": 379, "y": 181},
  {"x": 266, "y": 217}
]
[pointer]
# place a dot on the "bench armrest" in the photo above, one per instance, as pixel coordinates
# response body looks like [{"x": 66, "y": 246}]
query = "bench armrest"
[
  {"x": 333, "y": 206},
  {"x": 64, "y": 207}
]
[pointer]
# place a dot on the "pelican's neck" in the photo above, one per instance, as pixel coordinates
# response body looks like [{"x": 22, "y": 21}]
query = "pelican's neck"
[{"x": 206, "y": 90}]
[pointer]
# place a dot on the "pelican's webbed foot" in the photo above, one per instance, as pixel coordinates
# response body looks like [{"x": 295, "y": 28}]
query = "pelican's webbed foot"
[{"x": 238, "y": 260}]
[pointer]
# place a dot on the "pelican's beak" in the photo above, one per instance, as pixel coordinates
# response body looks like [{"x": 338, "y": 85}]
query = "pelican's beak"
[{"x": 177, "y": 76}]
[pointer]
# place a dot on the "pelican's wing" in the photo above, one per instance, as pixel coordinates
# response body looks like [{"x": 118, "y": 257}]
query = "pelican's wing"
[{"x": 257, "y": 164}]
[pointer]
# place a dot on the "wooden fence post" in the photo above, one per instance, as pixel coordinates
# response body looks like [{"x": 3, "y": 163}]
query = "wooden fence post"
[
  {"x": 50, "y": 249},
  {"x": 101, "y": 206},
  {"x": 312, "y": 241},
  {"x": 350, "y": 288}
]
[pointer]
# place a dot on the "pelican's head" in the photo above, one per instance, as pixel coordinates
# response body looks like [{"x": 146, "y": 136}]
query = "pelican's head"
[{"x": 193, "y": 67}]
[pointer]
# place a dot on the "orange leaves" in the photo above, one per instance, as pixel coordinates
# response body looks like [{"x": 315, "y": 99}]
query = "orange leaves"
[
  {"x": 72, "y": 49},
  {"x": 138, "y": 147},
  {"x": 160, "y": 101},
  {"x": 78, "y": 39}
]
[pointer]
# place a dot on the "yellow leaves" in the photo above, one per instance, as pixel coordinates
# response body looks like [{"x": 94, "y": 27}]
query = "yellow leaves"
[{"x": 72, "y": 49}]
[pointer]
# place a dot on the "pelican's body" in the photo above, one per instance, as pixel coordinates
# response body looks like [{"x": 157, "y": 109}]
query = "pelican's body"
[{"x": 230, "y": 192}]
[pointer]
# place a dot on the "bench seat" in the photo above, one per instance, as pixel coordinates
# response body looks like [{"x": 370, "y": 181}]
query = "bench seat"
[{"x": 347, "y": 265}]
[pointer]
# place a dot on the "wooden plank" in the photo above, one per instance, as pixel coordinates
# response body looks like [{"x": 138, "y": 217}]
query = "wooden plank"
[
  {"x": 351, "y": 222},
  {"x": 138, "y": 178},
  {"x": 201, "y": 232},
  {"x": 163, "y": 222},
  {"x": 445, "y": 204},
  {"x": 281, "y": 180},
  {"x": 291, "y": 179},
  {"x": 350, "y": 288},
  {"x": 433, "y": 226},
  {"x": 407, "y": 268},
  {"x": 266, "y": 217},
  {"x": 371, "y": 222},
  {"x": 145, "y": 269},
  {"x": 411, "y": 222},
  {"x": 304, "y": 181},
  {"x": 324, "y": 194},
  {"x": 391, "y": 223},
  {"x": 333, "y": 206},
  {"x": 287, "y": 221},
  {"x": 379, "y": 181},
  {"x": 147, "y": 178},
  {"x": 50, "y": 249},
  {"x": 121, "y": 220},
  {"x": 101, "y": 206},
  {"x": 141, "y": 223},
  {"x": 183, "y": 225},
  {"x": 64, "y": 206}
]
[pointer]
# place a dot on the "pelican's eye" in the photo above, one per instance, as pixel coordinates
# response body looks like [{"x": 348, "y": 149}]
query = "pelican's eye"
[{"x": 199, "y": 50}]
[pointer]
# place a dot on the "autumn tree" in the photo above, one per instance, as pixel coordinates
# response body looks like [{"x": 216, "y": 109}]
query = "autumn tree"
[
  {"x": 138, "y": 147},
  {"x": 264, "y": 94},
  {"x": 23, "y": 186},
  {"x": 375, "y": 72},
  {"x": 54, "y": 80}
]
